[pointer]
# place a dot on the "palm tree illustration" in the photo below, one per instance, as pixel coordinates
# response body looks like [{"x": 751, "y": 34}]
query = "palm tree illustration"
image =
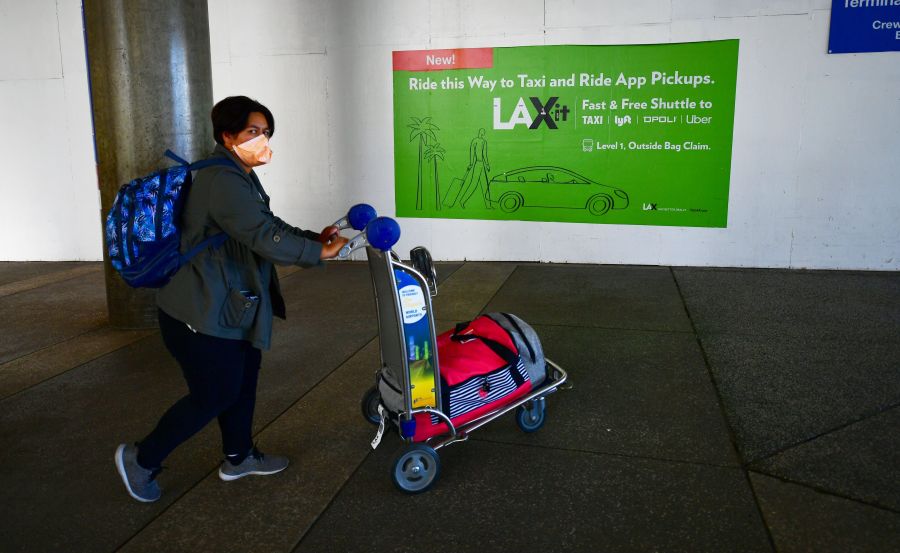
[
  {"x": 423, "y": 129},
  {"x": 434, "y": 152}
]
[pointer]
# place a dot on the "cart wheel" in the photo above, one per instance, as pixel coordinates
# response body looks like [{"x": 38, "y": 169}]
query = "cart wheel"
[
  {"x": 531, "y": 416},
  {"x": 369, "y": 404},
  {"x": 416, "y": 469}
]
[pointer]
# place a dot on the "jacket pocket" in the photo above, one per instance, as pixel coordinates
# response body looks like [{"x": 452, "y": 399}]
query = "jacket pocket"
[{"x": 239, "y": 309}]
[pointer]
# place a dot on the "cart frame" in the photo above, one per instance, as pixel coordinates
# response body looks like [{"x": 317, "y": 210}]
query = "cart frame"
[{"x": 394, "y": 354}]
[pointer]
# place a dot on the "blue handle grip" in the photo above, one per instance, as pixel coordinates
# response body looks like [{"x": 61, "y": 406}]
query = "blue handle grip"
[
  {"x": 361, "y": 215},
  {"x": 383, "y": 233}
]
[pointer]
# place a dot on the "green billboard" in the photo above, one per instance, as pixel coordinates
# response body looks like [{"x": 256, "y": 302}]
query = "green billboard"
[{"x": 635, "y": 134}]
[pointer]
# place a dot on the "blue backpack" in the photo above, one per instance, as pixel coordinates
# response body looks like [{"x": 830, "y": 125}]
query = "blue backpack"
[{"x": 143, "y": 234}]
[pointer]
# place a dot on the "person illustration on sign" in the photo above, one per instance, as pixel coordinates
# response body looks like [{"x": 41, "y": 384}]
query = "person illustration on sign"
[
  {"x": 476, "y": 175},
  {"x": 479, "y": 165}
]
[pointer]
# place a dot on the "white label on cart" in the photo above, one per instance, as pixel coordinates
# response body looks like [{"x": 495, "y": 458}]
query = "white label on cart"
[
  {"x": 412, "y": 303},
  {"x": 380, "y": 432}
]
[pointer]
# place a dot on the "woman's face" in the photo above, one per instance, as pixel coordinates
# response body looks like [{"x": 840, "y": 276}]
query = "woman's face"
[{"x": 256, "y": 125}]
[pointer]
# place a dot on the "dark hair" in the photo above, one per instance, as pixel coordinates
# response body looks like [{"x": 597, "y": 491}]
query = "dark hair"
[{"x": 231, "y": 114}]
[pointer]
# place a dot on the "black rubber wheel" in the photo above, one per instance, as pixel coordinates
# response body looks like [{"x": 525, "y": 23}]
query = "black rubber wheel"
[
  {"x": 369, "y": 404},
  {"x": 416, "y": 469},
  {"x": 511, "y": 201},
  {"x": 599, "y": 204},
  {"x": 531, "y": 416}
]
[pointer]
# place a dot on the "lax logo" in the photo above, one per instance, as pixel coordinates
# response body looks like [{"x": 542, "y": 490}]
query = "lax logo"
[
  {"x": 547, "y": 112},
  {"x": 649, "y": 207}
]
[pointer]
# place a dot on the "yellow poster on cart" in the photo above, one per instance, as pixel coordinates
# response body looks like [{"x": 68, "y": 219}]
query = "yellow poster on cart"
[{"x": 418, "y": 341}]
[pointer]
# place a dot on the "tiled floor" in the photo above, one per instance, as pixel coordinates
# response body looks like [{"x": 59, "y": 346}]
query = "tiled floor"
[{"x": 712, "y": 410}]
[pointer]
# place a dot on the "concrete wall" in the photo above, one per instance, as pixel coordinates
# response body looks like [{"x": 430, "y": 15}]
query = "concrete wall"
[
  {"x": 49, "y": 201},
  {"x": 816, "y": 137}
]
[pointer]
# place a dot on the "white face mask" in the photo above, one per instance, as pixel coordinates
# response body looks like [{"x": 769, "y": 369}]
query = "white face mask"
[{"x": 254, "y": 152}]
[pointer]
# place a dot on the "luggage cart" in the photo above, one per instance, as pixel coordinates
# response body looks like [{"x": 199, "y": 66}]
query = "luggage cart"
[{"x": 398, "y": 303}]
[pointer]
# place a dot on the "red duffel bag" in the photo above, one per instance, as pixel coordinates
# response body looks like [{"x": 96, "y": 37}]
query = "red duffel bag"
[{"x": 481, "y": 369}]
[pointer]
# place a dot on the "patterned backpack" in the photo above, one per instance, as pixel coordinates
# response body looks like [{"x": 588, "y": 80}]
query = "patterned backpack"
[{"x": 143, "y": 234}]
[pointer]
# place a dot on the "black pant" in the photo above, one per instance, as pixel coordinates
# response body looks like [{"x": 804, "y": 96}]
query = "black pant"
[{"x": 221, "y": 376}]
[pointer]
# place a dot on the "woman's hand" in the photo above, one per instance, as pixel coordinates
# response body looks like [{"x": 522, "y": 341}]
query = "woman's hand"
[
  {"x": 331, "y": 248},
  {"x": 328, "y": 233}
]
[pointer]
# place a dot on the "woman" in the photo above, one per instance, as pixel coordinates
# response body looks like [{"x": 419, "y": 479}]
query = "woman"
[{"x": 215, "y": 315}]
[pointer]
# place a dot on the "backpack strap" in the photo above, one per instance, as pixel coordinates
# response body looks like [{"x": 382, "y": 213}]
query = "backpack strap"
[
  {"x": 202, "y": 164},
  {"x": 175, "y": 157},
  {"x": 216, "y": 241}
]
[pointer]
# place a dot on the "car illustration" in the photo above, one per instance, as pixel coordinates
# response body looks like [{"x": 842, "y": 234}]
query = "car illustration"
[{"x": 547, "y": 186}]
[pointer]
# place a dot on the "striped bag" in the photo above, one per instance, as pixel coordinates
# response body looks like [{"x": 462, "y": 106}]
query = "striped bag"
[{"x": 484, "y": 364}]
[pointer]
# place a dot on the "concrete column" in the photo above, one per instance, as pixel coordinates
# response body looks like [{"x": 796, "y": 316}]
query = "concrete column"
[{"x": 151, "y": 89}]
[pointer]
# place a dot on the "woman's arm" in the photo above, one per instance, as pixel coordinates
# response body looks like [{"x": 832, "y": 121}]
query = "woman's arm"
[
  {"x": 286, "y": 227},
  {"x": 244, "y": 216}
]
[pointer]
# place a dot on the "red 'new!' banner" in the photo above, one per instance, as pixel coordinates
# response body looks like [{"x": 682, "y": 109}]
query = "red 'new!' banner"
[{"x": 441, "y": 60}]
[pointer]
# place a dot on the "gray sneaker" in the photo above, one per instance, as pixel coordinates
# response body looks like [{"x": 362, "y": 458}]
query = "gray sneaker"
[
  {"x": 254, "y": 463},
  {"x": 140, "y": 482}
]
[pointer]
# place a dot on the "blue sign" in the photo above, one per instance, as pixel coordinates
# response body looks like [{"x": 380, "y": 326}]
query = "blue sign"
[{"x": 864, "y": 26}]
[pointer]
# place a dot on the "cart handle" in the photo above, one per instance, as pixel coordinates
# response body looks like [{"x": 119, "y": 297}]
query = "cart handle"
[
  {"x": 381, "y": 233},
  {"x": 357, "y": 218}
]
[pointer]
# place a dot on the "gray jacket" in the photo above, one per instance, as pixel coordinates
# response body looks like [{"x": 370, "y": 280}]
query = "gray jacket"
[{"x": 233, "y": 291}]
